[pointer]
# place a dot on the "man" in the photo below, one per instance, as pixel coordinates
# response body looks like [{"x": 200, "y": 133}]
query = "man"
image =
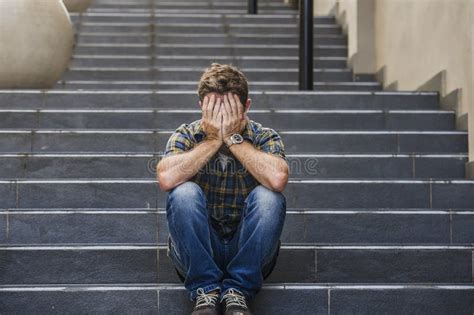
[{"x": 225, "y": 175}]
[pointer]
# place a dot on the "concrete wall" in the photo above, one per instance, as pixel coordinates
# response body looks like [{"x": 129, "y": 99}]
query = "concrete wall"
[
  {"x": 424, "y": 45},
  {"x": 324, "y": 7},
  {"x": 470, "y": 165},
  {"x": 346, "y": 16},
  {"x": 417, "y": 40},
  {"x": 427, "y": 45},
  {"x": 357, "y": 20}
]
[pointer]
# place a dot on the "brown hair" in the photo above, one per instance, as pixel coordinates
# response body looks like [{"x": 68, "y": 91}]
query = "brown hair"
[{"x": 222, "y": 78}]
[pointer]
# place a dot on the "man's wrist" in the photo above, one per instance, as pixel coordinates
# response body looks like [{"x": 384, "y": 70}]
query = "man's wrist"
[
  {"x": 214, "y": 141},
  {"x": 213, "y": 145},
  {"x": 227, "y": 141},
  {"x": 232, "y": 139}
]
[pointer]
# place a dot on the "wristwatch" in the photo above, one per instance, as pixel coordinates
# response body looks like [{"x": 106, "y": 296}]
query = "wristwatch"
[{"x": 233, "y": 139}]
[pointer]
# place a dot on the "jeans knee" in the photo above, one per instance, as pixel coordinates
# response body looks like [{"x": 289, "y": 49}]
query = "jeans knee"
[
  {"x": 266, "y": 198},
  {"x": 184, "y": 195},
  {"x": 185, "y": 191}
]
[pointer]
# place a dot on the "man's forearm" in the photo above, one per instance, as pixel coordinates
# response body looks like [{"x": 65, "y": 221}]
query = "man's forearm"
[
  {"x": 174, "y": 170},
  {"x": 269, "y": 170}
]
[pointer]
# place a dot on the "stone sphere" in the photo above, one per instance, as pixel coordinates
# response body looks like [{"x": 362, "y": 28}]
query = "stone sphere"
[
  {"x": 36, "y": 40},
  {"x": 77, "y": 5}
]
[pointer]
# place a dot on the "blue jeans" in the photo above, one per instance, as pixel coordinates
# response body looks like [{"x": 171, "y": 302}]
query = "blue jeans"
[{"x": 204, "y": 260}]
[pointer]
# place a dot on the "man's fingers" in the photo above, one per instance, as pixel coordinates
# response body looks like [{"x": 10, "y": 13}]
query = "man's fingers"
[
  {"x": 228, "y": 105},
  {"x": 240, "y": 107},
  {"x": 234, "y": 105},
  {"x": 204, "y": 107},
  {"x": 220, "y": 118},
  {"x": 216, "y": 109},
  {"x": 225, "y": 112},
  {"x": 210, "y": 108}
]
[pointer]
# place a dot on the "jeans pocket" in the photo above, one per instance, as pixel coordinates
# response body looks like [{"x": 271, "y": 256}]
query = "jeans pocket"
[{"x": 175, "y": 258}]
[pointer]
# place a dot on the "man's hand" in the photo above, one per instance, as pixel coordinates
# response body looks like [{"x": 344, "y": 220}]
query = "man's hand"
[
  {"x": 233, "y": 115},
  {"x": 268, "y": 169},
  {"x": 212, "y": 118},
  {"x": 174, "y": 170}
]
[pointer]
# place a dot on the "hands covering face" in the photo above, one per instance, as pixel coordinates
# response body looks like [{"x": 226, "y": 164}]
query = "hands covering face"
[{"x": 222, "y": 116}]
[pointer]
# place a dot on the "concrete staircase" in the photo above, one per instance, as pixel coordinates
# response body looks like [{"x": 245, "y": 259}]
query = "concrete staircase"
[{"x": 380, "y": 218}]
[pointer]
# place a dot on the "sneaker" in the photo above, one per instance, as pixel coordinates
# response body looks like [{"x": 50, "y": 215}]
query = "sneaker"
[
  {"x": 207, "y": 303},
  {"x": 234, "y": 303}
]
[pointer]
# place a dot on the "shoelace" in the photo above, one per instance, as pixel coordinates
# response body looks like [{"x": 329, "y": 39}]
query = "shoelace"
[
  {"x": 234, "y": 297},
  {"x": 209, "y": 298}
]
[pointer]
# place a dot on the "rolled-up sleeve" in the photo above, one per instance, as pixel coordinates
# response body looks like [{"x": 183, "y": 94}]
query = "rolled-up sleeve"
[
  {"x": 180, "y": 141},
  {"x": 270, "y": 141}
]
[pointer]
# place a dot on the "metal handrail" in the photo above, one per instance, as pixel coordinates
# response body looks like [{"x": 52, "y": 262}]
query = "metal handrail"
[
  {"x": 252, "y": 6},
  {"x": 306, "y": 72},
  {"x": 306, "y": 45}
]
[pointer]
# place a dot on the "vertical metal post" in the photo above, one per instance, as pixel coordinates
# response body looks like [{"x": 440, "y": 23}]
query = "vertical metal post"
[
  {"x": 306, "y": 45},
  {"x": 252, "y": 6}
]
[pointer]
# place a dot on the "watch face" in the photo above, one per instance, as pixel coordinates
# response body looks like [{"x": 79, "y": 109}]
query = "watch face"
[{"x": 237, "y": 138}]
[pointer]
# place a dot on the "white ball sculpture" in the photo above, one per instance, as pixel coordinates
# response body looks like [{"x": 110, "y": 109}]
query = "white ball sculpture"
[{"x": 36, "y": 43}]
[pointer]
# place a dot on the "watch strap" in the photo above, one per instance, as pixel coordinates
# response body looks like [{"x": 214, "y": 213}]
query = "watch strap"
[{"x": 228, "y": 141}]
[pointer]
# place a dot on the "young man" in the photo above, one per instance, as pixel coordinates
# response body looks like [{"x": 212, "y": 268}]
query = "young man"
[{"x": 225, "y": 175}]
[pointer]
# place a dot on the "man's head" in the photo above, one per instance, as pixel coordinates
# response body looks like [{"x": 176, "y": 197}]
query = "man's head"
[{"x": 219, "y": 79}]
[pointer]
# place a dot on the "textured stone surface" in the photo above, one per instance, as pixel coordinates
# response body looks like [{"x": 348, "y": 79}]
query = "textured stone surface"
[
  {"x": 172, "y": 100},
  {"x": 398, "y": 266},
  {"x": 308, "y": 167},
  {"x": 270, "y": 300},
  {"x": 402, "y": 301},
  {"x": 37, "y": 40},
  {"x": 151, "y": 119},
  {"x": 152, "y": 141},
  {"x": 145, "y": 193},
  {"x": 294, "y": 265},
  {"x": 78, "y": 266},
  {"x": 148, "y": 226}
]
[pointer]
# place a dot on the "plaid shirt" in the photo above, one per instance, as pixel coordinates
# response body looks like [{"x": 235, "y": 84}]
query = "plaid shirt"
[{"x": 225, "y": 188}]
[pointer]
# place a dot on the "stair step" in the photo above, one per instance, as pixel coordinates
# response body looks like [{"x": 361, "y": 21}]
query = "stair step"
[
  {"x": 187, "y": 10},
  {"x": 115, "y": 61},
  {"x": 336, "y": 141},
  {"x": 198, "y": 28},
  {"x": 187, "y": 85},
  {"x": 321, "y": 226},
  {"x": 187, "y": 4},
  {"x": 218, "y": 39},
  {"x": 303, "y": 193},
  {"x": 185, "y": 99},
  {"x": 238, "y": 8},
  {"x": 229, "y": 18},
  {"x": 149, "y": 264},
  {"x": 193, "y": 73},
  {"x": 278, "y": 119},
  {"x": 390, "y": 299},
  {"x": 314, "y": 166},
  {"x": 207, "y": 49},
  {"x": 217, "y": 22}
]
